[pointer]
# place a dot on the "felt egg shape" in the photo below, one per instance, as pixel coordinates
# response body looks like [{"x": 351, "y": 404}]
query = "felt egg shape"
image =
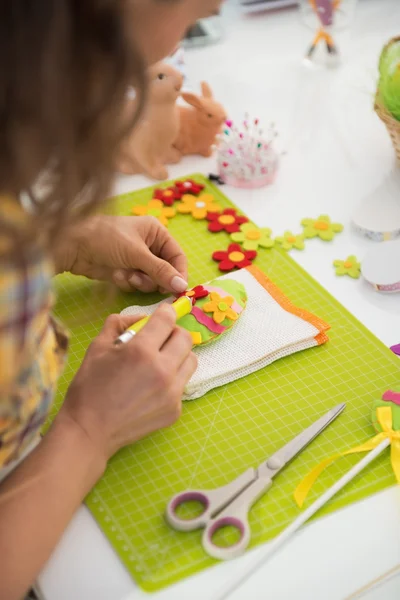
[{"x": 217, "y": 306}]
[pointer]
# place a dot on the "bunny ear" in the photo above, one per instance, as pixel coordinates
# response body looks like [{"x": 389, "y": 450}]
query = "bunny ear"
[
  {"x": 206, "y": 90},
  {"x": 192, "y": 99}
]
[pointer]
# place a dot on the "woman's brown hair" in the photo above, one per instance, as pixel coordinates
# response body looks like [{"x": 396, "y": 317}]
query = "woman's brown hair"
[{"x": 65, "y": 66}]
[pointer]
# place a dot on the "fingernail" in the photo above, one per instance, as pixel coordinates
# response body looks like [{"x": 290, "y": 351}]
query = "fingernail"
[
  {"x": 119, "y": 275},
  {"x": 178, "y": 284},
  {"x": 135, "y": 280}
]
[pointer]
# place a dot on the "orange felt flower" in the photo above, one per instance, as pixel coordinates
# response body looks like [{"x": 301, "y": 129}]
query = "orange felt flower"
[
  {"x": 220, "y": 307},
  {"x": 198, "y": 207},
  {"x": 155, "y": 208}
]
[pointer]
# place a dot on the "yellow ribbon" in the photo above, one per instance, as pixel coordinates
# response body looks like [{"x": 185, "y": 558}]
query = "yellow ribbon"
[{"x": 384, "y": 415}]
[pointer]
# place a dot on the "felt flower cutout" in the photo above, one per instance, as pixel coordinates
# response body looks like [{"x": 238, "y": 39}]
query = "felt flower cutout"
[
  {"x": 198, "y": 207},
  {"x": 189, "y": 187},
  {"x": 167, "y": 196},
  {"x": 227, "y": 220},
  {"x": 321, "y": 227},
  {"x": 221, "y": 308},
  {"x": 195, "y": 293},
  {"x": 155, "y": 208},
  {"x": 290, "y": 240},
  {"x": 350, "y": 267},
  {"x": 251, "y": 237},
  {"x": 234, "y": 258}
]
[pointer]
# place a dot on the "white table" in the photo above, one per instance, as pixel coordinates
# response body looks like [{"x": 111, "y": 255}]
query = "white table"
[{"x": 338, "y": 151}]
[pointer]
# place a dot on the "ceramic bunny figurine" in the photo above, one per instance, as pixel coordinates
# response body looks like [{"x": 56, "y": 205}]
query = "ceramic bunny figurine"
[
  {"x": 200, "y": 123},
  {"x": 149, "y": 147}
]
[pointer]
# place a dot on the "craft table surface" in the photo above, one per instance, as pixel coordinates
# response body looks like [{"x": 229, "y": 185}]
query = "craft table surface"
[{"x": 337, "y": 153}]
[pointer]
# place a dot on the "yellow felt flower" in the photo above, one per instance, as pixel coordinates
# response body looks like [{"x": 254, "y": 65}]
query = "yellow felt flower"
[
  {"x": 199, "y": 206},
  {"x": 220, "y": 307},
  {"x": 155, "y": 208}
]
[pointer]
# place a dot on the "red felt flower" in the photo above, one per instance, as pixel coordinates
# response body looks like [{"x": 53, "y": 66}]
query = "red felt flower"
[
  {"x": 227, "y": 220},
  {"x": 167, "y": 196},
  {"x": 234, "y": 258},
  {"x": 195, "y": 293},
  {"x": 189, "y": 187}
]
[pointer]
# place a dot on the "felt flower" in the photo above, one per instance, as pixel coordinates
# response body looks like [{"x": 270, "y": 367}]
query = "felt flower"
[
  {"x": 189, "y": 187},
  {"x": 195, "y": 293},
  {"x": 234, "y": 258},
  {"x": 198, "y": 207},
  {"x": 196, "y": 338},
  {"x": 350, "y": 267},
  {"x": 321, "y": 227},
  {"x": 227, "y": 220},
  {"x": 290, "y": 240},
  {"x": 251, "y": 237},
  {"x": 155, "y": 208},
  {"x": 220, "y": 307},
  {"x": 167, "y": 196}
]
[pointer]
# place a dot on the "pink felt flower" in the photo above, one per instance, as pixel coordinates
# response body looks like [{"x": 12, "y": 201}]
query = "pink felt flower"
[
  {"x": 167, "y": 196},
  {"x": 195, "y": 293},
  {"x": 228, "y": 220},
  {"x": 234, "y": 258},
  {"x": 189, "y": 187}
]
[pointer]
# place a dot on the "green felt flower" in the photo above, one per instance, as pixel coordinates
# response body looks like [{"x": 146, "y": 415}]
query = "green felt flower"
[
  {"x": 321, "y": 227},
  {"x": 350, "y": 267},
  {"x": 252, "y": 237},
  {"x": 290, "y": 240}
]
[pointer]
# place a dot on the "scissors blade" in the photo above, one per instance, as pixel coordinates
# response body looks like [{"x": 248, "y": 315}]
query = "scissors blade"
[{"x": 277, "y": 461}]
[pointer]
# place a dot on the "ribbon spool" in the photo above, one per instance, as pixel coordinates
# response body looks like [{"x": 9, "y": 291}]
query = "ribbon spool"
[{"x": 381, "y": 267}]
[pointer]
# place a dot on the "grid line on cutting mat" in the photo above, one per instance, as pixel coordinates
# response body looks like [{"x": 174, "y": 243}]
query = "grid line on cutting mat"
[{"x": 235, "y": 426}]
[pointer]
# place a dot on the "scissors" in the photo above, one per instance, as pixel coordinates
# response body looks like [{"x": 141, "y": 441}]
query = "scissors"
[{"x": 229, "y": 505}]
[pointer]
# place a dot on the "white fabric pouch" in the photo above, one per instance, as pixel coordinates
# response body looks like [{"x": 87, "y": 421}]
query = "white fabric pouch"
[{"x": 269, "y": 328}]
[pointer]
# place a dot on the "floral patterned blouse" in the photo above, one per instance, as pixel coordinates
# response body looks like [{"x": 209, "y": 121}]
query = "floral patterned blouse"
[{"x": 32, "y": 345}]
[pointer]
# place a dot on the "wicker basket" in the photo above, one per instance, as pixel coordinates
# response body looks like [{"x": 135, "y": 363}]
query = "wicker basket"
[{"x": 392, "y": 124}]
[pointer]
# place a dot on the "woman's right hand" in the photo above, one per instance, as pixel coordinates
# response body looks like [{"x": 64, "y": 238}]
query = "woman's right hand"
[{"x": 124, "y": 392}]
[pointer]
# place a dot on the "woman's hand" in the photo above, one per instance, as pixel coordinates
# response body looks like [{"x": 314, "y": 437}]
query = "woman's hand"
[
  {"x": 124, "y": 392},
  {"x": 134, "y": 252}
]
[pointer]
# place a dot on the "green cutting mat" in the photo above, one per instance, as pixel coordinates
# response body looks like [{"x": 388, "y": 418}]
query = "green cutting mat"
[{"x": 236, "y": 426}]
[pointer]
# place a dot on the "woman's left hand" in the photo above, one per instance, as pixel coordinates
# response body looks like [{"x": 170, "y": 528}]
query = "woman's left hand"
[{"x": 134, "y": 252}]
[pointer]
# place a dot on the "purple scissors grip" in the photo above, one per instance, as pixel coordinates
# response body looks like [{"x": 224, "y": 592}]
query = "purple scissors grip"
[
  {"x": 190, "y": 497},
  {"x": 226, "y": 522}
]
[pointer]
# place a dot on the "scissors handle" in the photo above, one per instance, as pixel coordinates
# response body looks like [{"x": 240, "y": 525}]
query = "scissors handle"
[
  {"x": 212, "y": 501},
  {"x": 235, "y": 515}
]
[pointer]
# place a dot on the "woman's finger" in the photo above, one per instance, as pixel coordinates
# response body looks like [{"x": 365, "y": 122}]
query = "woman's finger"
[
  {"x": 114, "y": 325},
  {"x": 177, "y": 348},
  {"x": 159, "y": 328},
  {"x": 167, "y": 248},
  {"x": 129, "y": 279},
  {"x": 160, "y": 271},
  {"x": 120, "y": 279},
  {"x": 187, "y": 369},
  {"x": 140, "y": 281}
]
